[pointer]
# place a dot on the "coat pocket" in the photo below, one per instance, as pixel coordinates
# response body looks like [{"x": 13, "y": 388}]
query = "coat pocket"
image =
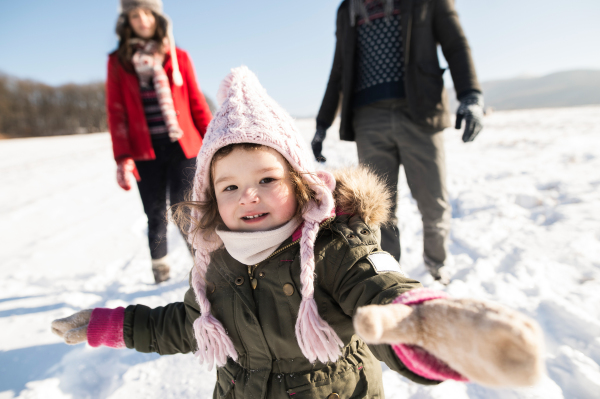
[
  {"x": 431, "y": 69},
  {"x": 348, "y": 383},
  {"x": 225, "y": 382},
  {"x": 430, "y": 86}
]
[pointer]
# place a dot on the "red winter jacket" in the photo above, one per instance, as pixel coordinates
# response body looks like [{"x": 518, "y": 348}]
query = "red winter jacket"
[{"x": 126, "y": 118}]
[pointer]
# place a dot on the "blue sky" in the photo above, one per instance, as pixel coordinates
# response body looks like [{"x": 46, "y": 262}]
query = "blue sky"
[{"x": 288, "y": 44}]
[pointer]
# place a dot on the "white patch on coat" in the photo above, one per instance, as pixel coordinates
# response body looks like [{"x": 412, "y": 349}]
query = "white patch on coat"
[{"x": 384, "y": 262}]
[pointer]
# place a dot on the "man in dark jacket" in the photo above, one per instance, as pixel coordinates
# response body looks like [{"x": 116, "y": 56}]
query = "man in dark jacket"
[{"x": 386, "y": 75}]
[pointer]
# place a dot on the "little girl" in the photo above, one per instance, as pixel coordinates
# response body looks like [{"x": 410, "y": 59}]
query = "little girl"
[{"x": 290, "y": 293}]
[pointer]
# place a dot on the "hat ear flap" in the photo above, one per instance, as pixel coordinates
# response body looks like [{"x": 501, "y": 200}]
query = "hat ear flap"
[
  {"x": 316, "y": 338},
  {"x": 214, "y": 345},
  {"x": 327, "y": 179},
  {"x": 323, "y": 183}
]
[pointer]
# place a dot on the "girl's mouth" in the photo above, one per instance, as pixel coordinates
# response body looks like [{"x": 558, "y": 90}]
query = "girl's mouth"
[{"x": 254, "y": 218}]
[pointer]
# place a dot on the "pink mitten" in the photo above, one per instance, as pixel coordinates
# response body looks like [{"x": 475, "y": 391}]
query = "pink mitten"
[
  {"x": 106, "y": 328},
  {"x": 96, "y": 326},
  {"x": 443, "y": 338},
  {"x": 126, "y": 171}
]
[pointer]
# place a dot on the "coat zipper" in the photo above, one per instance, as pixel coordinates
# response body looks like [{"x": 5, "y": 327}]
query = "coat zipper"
[
  {"x": 408, "y": 35},
  {"x": 252, "y": 268}
]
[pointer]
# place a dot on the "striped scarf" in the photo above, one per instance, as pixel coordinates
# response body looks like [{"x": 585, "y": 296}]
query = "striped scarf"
[{"x": 147, "y": 61}]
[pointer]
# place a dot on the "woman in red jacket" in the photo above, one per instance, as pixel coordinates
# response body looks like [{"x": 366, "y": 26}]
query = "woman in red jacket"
[{"x": 157, "y": 117}]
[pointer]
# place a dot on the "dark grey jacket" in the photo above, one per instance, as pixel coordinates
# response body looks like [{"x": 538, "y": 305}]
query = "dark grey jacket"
[{"x": 425, "y": 24}]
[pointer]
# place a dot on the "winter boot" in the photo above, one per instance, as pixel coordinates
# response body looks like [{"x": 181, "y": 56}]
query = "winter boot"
[
  {"x": 161, "y": 268},
  {"x": 438, "y": 271}
]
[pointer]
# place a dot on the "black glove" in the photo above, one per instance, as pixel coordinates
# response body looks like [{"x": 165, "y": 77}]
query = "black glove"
[
  {"x": 317, "y": 144},
  {"x": 471, "y": 110}
]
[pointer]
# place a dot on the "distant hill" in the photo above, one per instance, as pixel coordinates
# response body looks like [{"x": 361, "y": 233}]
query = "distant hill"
[{"x": 560, "y": 89}]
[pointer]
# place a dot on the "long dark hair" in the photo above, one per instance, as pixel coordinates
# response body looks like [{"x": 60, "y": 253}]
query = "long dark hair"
[{"x": 126, "y": 33}]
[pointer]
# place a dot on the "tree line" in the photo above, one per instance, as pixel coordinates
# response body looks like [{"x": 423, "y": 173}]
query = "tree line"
[{"x": 34, "y": 109}]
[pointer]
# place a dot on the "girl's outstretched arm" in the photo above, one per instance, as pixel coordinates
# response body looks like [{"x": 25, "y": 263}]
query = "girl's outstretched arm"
[
  {"x": 165, "y": 330},
  {"x": 483, "y": 341}
]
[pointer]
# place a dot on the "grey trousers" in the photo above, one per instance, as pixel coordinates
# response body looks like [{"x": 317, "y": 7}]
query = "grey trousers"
[{"x": 385, "y": 138}]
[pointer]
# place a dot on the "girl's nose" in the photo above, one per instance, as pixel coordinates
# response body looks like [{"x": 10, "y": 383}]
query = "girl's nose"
[{"x": 249, "y": 196}]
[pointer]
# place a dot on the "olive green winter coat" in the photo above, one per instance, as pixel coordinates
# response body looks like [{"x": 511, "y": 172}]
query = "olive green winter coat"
[{"x": 261, "y": 322}]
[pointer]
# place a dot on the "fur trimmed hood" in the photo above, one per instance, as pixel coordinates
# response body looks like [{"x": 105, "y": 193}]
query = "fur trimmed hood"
[{"x": 359, "y": 191}]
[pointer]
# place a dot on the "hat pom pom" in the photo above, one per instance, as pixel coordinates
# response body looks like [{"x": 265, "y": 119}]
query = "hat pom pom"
[
  {"x": 239, "y": 74},
  {"x": 224, "y": 89}
]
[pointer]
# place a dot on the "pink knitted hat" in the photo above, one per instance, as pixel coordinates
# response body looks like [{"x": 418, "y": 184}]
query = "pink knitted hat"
[{"x": 248, "y": 115}]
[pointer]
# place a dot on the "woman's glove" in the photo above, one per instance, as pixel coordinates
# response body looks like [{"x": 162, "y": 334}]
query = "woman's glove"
[
  {"x": 98, "y": 327},
  {"x": 483, "y": 341},
  {"x": 126, "y": 171}
]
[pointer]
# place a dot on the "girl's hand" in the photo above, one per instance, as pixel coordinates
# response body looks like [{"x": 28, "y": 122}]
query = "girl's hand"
[
  {"x": 99, "y": 326},
  {"x": 485, "y": 342},
  {"x": 73, "y": 329}
]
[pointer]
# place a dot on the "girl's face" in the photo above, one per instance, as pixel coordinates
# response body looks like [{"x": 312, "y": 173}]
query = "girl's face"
[
  {"x": 253, "y": 189},
  {"x": 142, "y": 22}
]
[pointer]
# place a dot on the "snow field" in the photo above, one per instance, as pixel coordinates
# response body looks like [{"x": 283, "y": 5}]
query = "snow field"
[{"x": 525, "y": 232}]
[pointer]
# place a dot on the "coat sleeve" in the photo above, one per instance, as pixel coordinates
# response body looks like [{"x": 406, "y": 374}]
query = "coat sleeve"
[
  {"x": 201, "y": 114},
  {"x": 331, "y": 100},
  {"x": 166, "y": 330},
  {"x": 116, "y": 111},
  {"x": 448, "y": 32},
  {"x": 357, "y": 283}
]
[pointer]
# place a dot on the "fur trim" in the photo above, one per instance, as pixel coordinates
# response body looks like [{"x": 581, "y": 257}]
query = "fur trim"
[{"x": 359, "y": 191}]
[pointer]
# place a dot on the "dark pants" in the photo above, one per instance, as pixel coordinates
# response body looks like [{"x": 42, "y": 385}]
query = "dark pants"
[
  {"x": 169, "y": 176},
  {"x": 385, "y": 138}
]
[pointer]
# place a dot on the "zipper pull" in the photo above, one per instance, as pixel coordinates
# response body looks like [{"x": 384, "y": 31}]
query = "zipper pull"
[{"x": 253, "y": 281}]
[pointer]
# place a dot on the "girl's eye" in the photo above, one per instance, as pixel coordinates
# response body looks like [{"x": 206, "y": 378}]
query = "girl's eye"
[
  {"x": 267, "y": 180},
  {"x": 230, "y": 188}
]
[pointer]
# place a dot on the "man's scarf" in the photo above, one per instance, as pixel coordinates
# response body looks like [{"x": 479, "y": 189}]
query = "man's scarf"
[{"x": 359, "y": 8}]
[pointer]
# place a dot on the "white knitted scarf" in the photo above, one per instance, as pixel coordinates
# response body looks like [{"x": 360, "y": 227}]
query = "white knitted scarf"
[
  {"x": 147, "y": 61},
  {"x": 252, "y": 247}
]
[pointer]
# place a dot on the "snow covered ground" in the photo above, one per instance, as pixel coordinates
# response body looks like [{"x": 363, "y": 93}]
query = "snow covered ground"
[{"x": 526, "y": 233}]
